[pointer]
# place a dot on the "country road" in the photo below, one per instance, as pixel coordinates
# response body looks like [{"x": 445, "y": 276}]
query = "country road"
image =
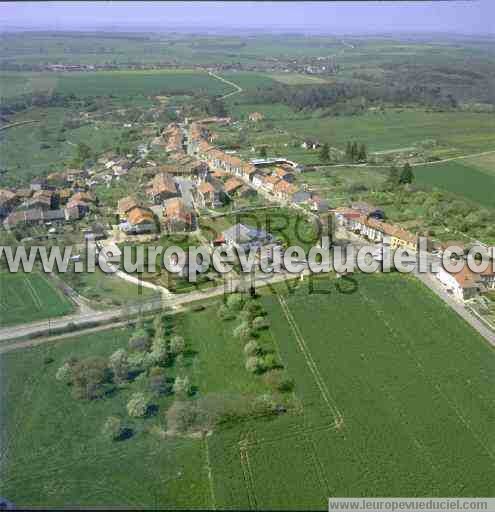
[
  {"x": 81, "y": 321},
  {"x": 416, "y": 164},
  {"x": 238, "y": 88}
]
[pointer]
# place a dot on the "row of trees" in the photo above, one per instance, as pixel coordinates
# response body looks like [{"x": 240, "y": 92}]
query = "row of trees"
[
  {"x": 354, "y": 152},
  {"x": 260, "y": 358},
  {"x": 404, "y": 176}
]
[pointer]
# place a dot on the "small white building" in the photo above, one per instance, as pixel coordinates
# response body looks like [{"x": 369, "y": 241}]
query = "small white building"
[{"x": 463, "y": 285}]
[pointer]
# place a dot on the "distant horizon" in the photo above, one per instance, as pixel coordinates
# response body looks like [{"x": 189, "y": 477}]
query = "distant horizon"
[
  {"x": 448, "y": 17},
  {"x": 243, "y": 31}
]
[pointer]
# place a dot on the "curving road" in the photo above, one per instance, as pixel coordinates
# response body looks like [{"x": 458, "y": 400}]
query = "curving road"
[{"x": 238, "y": 89}]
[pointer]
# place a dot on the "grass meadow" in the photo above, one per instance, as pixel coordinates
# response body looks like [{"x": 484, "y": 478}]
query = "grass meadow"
[
  {"x": 54, "y": 454},
  {"x": 395, "y": 404},
  {"x": 44, "y": 146},
  {"x": 29, "y": 297},
  {"x": 394, "y": 129},
  {"x": 462, "y": 179}
]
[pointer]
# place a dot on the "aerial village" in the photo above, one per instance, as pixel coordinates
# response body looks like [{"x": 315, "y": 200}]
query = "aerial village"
[{"x": 199, "y": 179}]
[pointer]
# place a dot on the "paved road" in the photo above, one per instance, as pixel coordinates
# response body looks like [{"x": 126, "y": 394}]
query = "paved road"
[{"x": 81, "y": 321}]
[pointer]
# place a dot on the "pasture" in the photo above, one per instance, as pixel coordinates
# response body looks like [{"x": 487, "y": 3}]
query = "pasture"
[
  {"x": 461, "y": 178},
  {"x": 29, "y": 297},
  {"x": 397, "y": 403}
]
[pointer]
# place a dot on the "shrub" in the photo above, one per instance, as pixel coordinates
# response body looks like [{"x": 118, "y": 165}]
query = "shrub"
[
  {"x": 261, "y": 322},
  {"x": 182, "y": 386},
  {"x": 140, "y": 341},
  {"x": 119, "y": 365},
  {"x": 177, "y": 344},
  {"x": 137, "y": 407},
  {"x": 224, "y": 313},
  {"x": 136, "y": 360},
  {"x": 254, "y": 364},
  {"x": 112, "y": 428},
  {"x": 271, "y": 361},
  {"x": 242, "y": 331},
  {"x": 235, "y": 302},
  {"x": 252, "y": 348},
  {"x": 158, "y": 382},
  {"x": 91, "y": 378},
  {"x": 64, "y": 373},
  {"x": 279, "y": 380},
  {"x": 182, "y": 417}
]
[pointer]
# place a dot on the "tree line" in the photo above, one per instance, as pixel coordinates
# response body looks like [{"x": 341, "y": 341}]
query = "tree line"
[{"x": 359, "y": 95}]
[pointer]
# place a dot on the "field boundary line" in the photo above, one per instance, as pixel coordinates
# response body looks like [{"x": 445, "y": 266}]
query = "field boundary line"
[
  {"x": 453, "y": 158},
  {"x": 296, "y": 434},
  {"x": 428, "y": 377},
  {"x": 33, "y": 293},
  {"x": 210, "y": 474},
  {"x": 320, "y": 470},
  {"x": 338, "y": 417},
  {"x": 248, "y": 477}
]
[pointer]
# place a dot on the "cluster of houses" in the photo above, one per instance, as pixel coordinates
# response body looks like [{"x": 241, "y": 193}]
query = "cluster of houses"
[
  {"x": 172, "y": 139},
  {"x": 164, "y": 208},
  {"x": 277, "y": 180},
  {"x": 367, "y": 221},
  {"x": 45, "y": 201}
]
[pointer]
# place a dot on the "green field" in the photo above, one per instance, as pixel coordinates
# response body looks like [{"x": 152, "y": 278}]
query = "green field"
[
  {"x": 460, "y": 178},
  {"x": 466, "y": 132},
  {"x": 116, "y": 83},
  {"x": 396, "y": 399},
  {"x": 107, "y": 290},
  {"x": 29, "y": 297},
  {"x": 56, "y": 455},
  {"x": 395, "y": 404},
  {"x": 46, "y": 145}
]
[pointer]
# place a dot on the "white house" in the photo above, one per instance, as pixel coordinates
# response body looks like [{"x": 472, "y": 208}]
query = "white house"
[{"x": 463, "y": 285}]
